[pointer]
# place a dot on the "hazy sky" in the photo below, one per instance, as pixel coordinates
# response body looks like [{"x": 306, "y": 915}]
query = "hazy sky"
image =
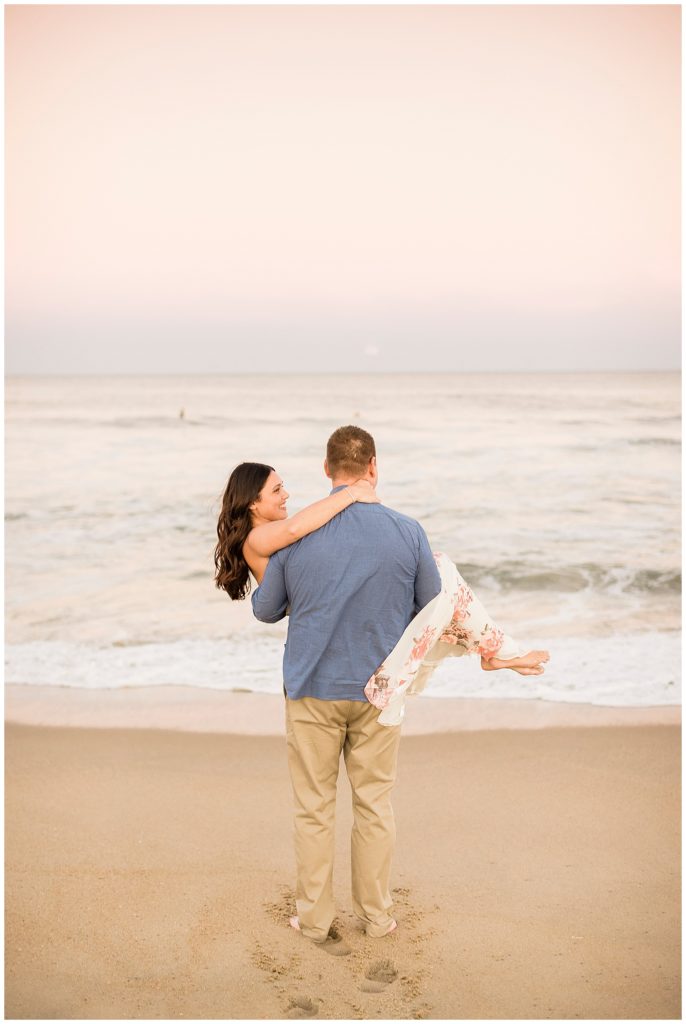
[{"x": 209, "y": 189}]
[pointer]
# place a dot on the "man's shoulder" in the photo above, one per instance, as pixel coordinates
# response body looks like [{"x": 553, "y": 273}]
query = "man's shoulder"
[
  {"x": 392, "y": 523},
  {"x": 400, "y": 517},
  {"x": 355, "y": 521}
]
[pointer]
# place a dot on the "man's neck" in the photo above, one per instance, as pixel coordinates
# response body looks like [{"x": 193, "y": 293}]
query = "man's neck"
[
  {"x": 338, "y": 482},
  {"x": 347, "y": 481}
]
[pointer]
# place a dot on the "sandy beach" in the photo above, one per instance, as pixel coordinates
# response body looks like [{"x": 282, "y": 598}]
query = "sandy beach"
[
  {"x": 260, "y": 255},
  {"x": 149, "y": 874}
]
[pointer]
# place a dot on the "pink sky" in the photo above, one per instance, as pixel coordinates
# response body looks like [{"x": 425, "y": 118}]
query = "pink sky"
[{"x": 392, "y": 178}]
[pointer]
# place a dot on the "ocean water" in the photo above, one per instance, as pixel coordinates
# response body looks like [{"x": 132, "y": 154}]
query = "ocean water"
[{"x": 557, "y": 495}]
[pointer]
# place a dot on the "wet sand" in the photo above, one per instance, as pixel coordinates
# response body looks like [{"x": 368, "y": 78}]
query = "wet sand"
[
  {"x": 195, "y": 709},
  {"x": 149, "y": 874}
]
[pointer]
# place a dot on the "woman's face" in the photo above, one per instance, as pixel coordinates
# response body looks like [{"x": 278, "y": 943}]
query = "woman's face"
[{"x": 271, "y": 503}]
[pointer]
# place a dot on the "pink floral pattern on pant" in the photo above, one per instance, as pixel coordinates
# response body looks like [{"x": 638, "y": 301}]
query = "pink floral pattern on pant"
[
  {"x": 377, "y": 690},
  {"x": 423, "y": 643},
  {"x": 455, "y": 621},
  {"x": 486, "y": 642}
]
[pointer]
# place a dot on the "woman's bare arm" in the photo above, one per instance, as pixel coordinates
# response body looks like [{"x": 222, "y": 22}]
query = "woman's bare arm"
[{"x": 267, "y": 538}]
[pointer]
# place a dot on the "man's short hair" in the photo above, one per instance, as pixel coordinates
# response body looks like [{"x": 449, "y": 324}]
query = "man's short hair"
[{"x": 349, "y": 450}]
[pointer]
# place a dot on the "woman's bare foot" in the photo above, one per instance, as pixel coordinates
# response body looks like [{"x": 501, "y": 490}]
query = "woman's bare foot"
[{"x": 530, "y": 664}]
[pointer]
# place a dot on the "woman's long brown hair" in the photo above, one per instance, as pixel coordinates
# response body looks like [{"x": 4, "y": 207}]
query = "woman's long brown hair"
[{"x": 235, "y": 523}]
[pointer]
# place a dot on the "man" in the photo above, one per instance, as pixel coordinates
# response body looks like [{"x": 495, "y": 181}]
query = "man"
[{"x": 353, "y": 586}]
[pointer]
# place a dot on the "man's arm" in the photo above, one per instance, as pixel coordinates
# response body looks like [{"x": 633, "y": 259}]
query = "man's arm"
[
  {"x": 427, "y": 582},
  {"x": 270, "y": 600}
]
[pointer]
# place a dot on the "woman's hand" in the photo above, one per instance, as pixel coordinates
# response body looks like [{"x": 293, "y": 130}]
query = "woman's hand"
[
  {"x": 530, "y": 664},
  {"x": 363, "y": 491}
]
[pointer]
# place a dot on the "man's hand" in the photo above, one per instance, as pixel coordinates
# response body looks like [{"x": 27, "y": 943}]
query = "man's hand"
[{"x": 530, "y": 664}]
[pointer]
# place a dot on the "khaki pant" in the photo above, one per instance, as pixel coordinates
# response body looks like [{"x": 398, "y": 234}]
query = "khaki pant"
[{"x": 317, "y": 731}]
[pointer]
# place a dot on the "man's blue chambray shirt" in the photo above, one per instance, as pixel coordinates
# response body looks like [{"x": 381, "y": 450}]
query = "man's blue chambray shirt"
[{"x": 353, "y": 586}]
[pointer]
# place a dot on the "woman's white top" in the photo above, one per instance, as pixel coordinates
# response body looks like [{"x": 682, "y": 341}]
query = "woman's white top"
[{"x": 453, "y": 624}]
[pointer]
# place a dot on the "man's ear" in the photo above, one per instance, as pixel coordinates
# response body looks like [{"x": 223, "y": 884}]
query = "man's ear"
[
  {"x": 373, "y": 470},
  {"x": 326, "y": 468}
]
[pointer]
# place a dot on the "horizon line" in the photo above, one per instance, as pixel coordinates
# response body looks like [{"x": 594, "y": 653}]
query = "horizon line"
[{"x": 339, "y": 373}]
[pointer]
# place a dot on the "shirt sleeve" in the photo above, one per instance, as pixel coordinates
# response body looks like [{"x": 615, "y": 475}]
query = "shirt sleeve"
[
  {"x": 427, "y": 582},
  {"x": 270, "y": 600}
]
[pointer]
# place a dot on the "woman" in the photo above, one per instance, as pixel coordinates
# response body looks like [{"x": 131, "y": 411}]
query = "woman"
[{"x": 254, "y": 523}]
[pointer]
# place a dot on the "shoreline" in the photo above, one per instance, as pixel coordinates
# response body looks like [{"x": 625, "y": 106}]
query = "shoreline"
[{"x": 197, "y": 710}]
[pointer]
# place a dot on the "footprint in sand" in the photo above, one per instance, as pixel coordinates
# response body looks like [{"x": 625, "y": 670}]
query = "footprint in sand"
[
  {"x": 377, "y": 977},
  {"x": 301, "y": 1007}
]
